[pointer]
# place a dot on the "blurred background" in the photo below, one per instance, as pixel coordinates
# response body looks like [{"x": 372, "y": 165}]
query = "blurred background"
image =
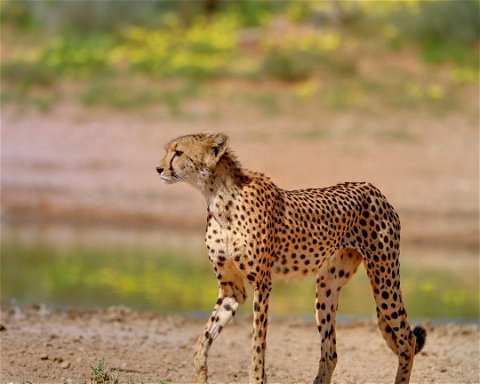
[{"x": 311, "y": 93}]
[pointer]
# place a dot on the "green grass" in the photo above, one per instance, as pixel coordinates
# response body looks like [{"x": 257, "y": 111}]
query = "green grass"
[
  {"x": 112, "y": 93},
  {"x": 168, "y": 280},
  {"x": 264, "y": 101},
  {"x": 81, "y": 276}
]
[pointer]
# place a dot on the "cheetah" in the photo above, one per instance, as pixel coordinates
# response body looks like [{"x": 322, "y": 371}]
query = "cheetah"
[{"x": 256, "y": 230}]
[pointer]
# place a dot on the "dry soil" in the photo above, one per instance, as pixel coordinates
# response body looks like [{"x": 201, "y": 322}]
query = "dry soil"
[{"x": 42, "y": 346}]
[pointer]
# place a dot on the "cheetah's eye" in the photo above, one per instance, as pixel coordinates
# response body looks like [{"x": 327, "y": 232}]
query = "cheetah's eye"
[{"x": 178, "y": 153}]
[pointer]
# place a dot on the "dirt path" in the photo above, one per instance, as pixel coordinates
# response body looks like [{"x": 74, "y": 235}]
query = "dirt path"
[
  {"x": 41, "y": 346},
  {"x": 93, "y": 166}
]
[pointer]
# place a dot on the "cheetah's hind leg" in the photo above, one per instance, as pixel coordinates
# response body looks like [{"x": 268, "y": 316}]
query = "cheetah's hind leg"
[{"x": 391, "y": 314}]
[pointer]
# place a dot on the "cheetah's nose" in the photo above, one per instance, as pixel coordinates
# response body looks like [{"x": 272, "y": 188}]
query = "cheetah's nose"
[{"x": 159, "y": 170}]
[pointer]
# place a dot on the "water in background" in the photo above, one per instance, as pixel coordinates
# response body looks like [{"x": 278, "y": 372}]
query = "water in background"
[{"x": 171, "y": 273}]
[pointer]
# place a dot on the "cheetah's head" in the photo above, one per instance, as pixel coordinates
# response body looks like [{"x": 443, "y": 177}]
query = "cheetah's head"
[{"x": 191, "y": 157}]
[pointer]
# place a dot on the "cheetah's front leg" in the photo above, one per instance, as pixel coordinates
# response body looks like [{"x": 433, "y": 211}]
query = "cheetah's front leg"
[
  {"x": 332, "y": 276},
  {"x": 229, "y": 297},
  {"x": 260, "y": 320}
]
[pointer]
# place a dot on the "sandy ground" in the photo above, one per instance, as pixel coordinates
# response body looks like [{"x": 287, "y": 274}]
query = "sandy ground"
[{"x": 41, "y": 346}]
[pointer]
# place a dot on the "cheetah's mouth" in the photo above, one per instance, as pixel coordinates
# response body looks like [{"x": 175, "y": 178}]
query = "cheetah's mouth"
[
  {"x": 173, "y": 178},
  {"x": 167, "y": 179}
]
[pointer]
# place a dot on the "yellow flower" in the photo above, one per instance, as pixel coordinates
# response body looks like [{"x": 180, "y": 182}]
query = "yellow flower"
[
  {"x": 465, "y": 76},
  {"x": 330, "y": 41},
  {"x": 390, "y": 31},
  {"x": 435, "y": 91},
  {"x": 427, "y": 287},
  {"x": 413, "y": 90},
  {"x": 307, "y": 89}
]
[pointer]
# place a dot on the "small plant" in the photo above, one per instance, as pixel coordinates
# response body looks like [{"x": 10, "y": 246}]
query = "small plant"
[{"x": 102, "y": 375}]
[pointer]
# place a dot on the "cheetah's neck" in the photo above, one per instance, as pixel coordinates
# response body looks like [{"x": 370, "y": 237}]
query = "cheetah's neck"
[{"x": 222, "y": 187}]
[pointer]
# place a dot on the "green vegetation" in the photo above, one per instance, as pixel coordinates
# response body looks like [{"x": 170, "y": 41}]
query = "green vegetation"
[
  {"x": 445, "y": 30},
  {"x": 154, "y": 279},
  {"x": 312, "y": 47},
  {"x": 101, "y": 374},
  {"x": 148, "y": 278}
]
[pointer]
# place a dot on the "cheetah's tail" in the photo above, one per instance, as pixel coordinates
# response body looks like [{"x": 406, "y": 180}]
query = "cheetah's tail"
[{"x": 421, "y": 335}]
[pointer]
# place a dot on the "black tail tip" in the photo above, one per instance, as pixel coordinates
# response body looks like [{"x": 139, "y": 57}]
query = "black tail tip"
[{"x": 421, "y": 335}]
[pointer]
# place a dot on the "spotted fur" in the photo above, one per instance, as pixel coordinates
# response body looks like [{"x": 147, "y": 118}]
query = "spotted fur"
[{"x": 256, "y": 230}]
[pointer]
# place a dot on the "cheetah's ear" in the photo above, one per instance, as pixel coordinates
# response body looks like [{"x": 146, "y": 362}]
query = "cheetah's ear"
[{"x": 220, "y": 143}]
